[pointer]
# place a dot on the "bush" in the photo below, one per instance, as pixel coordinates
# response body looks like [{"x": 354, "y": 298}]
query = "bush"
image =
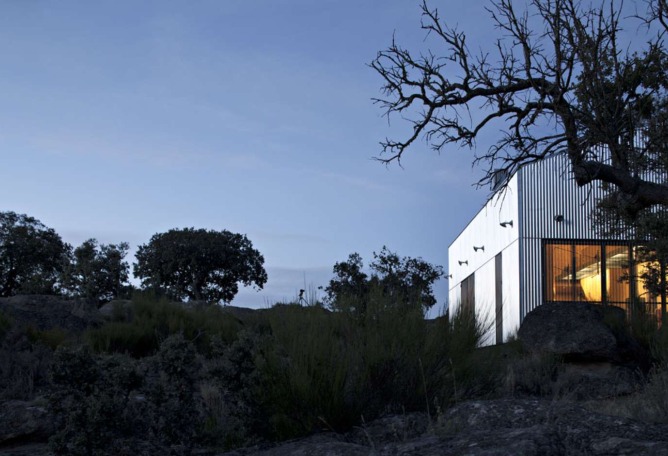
[
  {"x": 331, "y": 370},
  {"x": 92, "y": 402},
  {"x": 156, "y": 319},
  {"x": 171, "y": 412},
  {"x": 113, "y": 404}
]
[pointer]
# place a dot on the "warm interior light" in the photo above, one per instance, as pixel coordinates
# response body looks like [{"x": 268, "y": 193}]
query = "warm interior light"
[
  {"x": 640, "y": 283},
  {"x": 591, "y": 286}
]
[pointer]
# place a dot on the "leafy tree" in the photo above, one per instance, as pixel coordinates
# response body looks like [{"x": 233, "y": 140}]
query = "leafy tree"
[
  {"x": 32, "y": 256},
  {"x": 402, "y": 282},
  {"x": 199, "y": 264},
  {"x": 98, "y": 271},
  {"x": 559, "y": 79}
]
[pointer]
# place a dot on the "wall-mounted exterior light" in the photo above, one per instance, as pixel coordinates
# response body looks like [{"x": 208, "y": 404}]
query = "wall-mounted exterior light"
[
  {"x": 466, "y": 262},
  {"x": 559, "y": 218},
  {"x": 505, "y": 224},
  {"x": 482, "y": 247}
]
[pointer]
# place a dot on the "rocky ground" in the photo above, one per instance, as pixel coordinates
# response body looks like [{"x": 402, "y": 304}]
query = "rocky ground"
[{"x": 601, "y": 366}]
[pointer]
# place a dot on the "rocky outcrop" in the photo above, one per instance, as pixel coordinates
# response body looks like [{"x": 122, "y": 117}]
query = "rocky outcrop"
[
  {"x": 24, "y": 422},
  {"x": 117, "y": 309},
  {"x": 509, "y": 427},
  {"x": 47, "y": 312},
  {"x": 578, "y": 331}
]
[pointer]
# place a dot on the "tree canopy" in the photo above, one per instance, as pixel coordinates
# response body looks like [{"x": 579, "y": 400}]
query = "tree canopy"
[
  {"x": 199, "y": 264},
  {"x": 98, "y": 271},
  {"x": 401, "y": 283},
  {"x": 32, "y": 256},
  {"x": 560, "y": 78}
]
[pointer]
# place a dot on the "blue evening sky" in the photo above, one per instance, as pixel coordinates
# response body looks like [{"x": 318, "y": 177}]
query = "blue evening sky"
[{"x": 120, "y": 119}]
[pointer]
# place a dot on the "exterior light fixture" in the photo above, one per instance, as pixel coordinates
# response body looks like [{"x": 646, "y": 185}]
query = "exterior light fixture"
[
  {"x": 559, "y": 218},
  {"x": 482, "y": 247},
  {"x": 466, "y": 262},
  {"x": 505, "y": 224}
]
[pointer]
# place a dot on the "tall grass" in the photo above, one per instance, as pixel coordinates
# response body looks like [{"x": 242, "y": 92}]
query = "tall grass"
[
  {"x": 334, "y": 370},
  {"x": 154, "y": 319}
]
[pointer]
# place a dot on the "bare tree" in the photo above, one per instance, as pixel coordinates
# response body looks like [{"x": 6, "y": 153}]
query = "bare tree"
[{"x": 559, "y": 79}]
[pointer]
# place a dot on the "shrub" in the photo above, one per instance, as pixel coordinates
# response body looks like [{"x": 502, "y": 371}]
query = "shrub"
[
  {"x": 331, "y": 370},
  {"x": 92, "y": 402},
  {"x": 171, "y": 413},
  {"x": 156, "y": 319},
  {"x": 24, "y": 364},
  {"x": 51, "y": 338}
]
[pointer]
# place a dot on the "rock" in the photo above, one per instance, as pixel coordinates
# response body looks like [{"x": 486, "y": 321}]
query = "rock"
[
  {"x": 32, "y": 449},
  {"x": 117, "y": 309},
  {"x": 22, "y": 421},
  {"x": 583, "y": 381},
  {"x": 540, "y": 427},
  {"x": 47, "y": 312},
  {"x": 484, "y": 428},
  {"x": 577, "y": 331}
]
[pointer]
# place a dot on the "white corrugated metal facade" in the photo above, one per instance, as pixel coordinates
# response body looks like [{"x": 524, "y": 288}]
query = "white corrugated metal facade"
[{"x": 536, "y": 195}]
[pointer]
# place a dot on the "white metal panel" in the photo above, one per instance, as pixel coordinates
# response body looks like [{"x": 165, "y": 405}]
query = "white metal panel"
[
  {"x": 547, "y": 190},
  {"x": 485, "y": 303},
  {"x": 511, "y": 290},
  {"x": 485, "y": 231}
]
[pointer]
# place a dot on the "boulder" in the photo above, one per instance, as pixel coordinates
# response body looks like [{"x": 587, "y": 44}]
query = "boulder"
[
  {"x": 117, "y": 309},
  {"x": 576, "y": 331},
  {"x": 47, "y": 312},
  {"x": 24, "y": 422}
]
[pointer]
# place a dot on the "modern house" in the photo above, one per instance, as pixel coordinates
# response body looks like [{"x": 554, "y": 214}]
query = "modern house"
[{"x": 534, "y": 242}]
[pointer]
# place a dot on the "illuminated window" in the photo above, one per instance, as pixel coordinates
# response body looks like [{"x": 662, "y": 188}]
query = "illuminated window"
[
  {"x": 617, "y": 263},
  {"x": 587, "y": 272},
  {"x": 559, "y": 277}
]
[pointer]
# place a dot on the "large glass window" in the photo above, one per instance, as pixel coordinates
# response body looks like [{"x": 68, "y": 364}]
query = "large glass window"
[
  {"x": 589, "y": 273},
  {"x": 559, "y": 277},
  {"x": 586, "y": 271},
  {"x": 601, "y": 272},
  {"x": 617, "y": 263}
]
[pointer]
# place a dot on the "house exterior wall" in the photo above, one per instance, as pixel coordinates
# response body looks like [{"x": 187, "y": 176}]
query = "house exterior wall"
[
  {"x": 534, "y": 196},
  {"x": 548, "y": 189},
  {"x": 485, "y": 230}
]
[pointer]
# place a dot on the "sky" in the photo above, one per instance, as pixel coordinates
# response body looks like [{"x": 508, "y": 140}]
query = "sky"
[{"x": 121, "y": 119}]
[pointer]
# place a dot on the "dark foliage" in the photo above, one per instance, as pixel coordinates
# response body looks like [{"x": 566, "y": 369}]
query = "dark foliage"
[
  {"x": 404, "y": 283},
  {"x": 32, "y": 256},
  {"x": 98, "y": 272},
  {"x": 199, "y": 264}
]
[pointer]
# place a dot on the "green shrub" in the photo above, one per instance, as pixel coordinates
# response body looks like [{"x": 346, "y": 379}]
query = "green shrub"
[
  {"x": 51, "y": 338},
  {"x": 172, "y": 413},
  {"x": 92, "y": 403},
  {"x": 114, "y": 404},
  {"x": 331, "y": 370},
  {"x": 156, "y": 319}
]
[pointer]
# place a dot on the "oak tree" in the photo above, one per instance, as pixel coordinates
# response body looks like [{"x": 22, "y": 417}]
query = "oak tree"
[
  {"x": 32, "y": 256},
  {"x": 561, "y": 77},
  {"x": 199, "y": 264},
  {"x": 98, "y": 271},
  {"x": 398, "y": 282}
]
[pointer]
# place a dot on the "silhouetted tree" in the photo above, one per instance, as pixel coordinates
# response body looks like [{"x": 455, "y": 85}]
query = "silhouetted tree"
[
  {"x": 98, "y": 271},
  {"x": 398, "y": 282},
  {"x": 559, "y": 79},
  {"x": 32, "y": 256},
  {"x": 199, "y": 264}
]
